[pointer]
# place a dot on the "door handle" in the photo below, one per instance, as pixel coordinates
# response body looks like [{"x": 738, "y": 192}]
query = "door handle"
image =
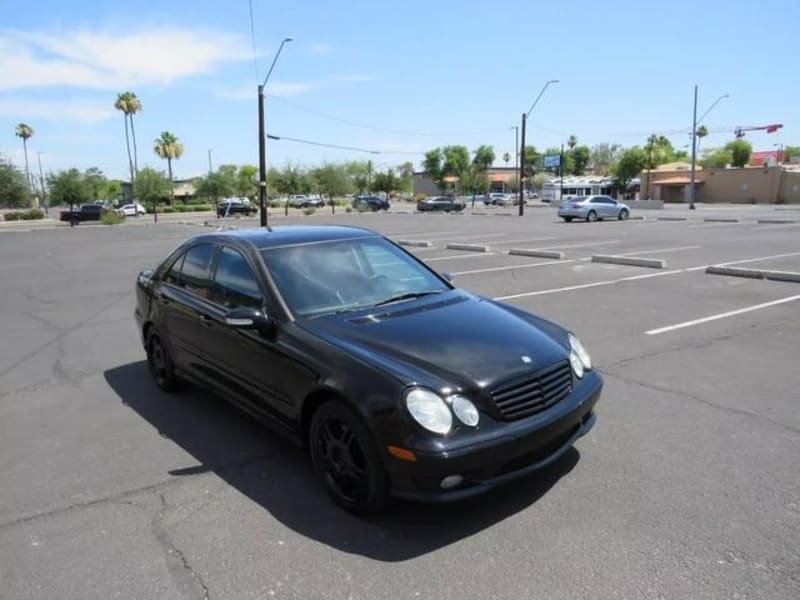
[{"x": 162, "y": 298}]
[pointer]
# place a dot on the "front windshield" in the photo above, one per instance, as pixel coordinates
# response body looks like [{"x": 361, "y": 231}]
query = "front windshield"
[{"x": 329, "y": 277}]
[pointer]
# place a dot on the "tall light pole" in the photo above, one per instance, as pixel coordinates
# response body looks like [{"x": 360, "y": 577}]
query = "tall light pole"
[
  {"x": 522, "y": 148},
  {"x": 695, "y": 122},
  {"x": 262, "y": 142}
]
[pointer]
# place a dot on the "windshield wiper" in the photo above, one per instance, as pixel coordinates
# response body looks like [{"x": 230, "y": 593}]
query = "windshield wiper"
[{"x": 407, "y": 296}]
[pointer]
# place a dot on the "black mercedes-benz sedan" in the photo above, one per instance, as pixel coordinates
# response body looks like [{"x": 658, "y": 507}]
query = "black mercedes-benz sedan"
[{"x": 397, "y": 382}]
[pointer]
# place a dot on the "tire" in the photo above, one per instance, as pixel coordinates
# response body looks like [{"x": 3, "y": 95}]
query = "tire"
[
  {"x": 591, "y": 216},
  {"x": 346, "y": 461},
  {"x": 623, "y": 214},
  {"x": 567, "y": 219},
  {"x": 160, "y": 363}
]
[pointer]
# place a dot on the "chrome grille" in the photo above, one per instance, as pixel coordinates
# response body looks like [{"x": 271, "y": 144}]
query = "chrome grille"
[{"x": 534, "y": 392}]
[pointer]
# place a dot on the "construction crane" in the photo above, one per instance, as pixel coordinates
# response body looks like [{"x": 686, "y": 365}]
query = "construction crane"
[{"x": 739, "y": 131}]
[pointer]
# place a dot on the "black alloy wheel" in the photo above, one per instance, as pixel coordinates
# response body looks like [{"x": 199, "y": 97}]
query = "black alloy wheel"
[
  {"x": 161, "y": 366},
  {"x": 346, "y": 461}
]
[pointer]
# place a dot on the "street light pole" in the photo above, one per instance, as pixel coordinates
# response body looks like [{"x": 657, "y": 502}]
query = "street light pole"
[
  {"x": 41, "y": 182},
  {"x": 516, "y": 147},
  {"x": 262, "y": 142},
  {"x": 692, "y": 187},
  {"x": 522, "y": 149}
]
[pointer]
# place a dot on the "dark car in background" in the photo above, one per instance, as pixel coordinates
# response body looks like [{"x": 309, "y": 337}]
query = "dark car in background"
[
  {"x": 364, "y": 203},
  {"x": 230, "y": 208},
  {"x": 440, "y": 203},
  {"x": 397, "y": 382},
  {"x": 84, "y": 212}
]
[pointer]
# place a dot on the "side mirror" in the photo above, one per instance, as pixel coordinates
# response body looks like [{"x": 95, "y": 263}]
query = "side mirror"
[
  {"x": 247, "y": 318},
  {"x": 448, "y": 276}
]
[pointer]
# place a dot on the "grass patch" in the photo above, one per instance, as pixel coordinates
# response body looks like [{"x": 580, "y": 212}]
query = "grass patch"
[{"x": 111, "y": 218}]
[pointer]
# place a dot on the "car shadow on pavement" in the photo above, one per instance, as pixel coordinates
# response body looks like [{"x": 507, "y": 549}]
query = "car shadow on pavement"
[{"x": 276, "y": 475}]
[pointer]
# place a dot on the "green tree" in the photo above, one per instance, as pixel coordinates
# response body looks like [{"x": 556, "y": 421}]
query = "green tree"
[
  {"x": 25, "y": 132},
  {"x": 740, "y": 152},
  {"x": 789, "y": 152},
  {"x": 432, "y": 165},
  {"x": 456, "y": 160},
  {"x": 506, "y": 157},
  {"x": 630, "y": 164},
  {"x": 113, "y": 190},
  {"x": 716, "y": 158},
  {"x": 603, "y": 156},
  {"x": 68, "y": 187},
  {"x": 474, "y": 181},
  {"x": 386, "y": 182},
  {"x": 129, "y": 104},
  {"x": 216, "y": 185},
  {"x": 151, "y": 187},
  {"x": 96, "y": 183},
  {"x": 168, "y": 147},
  {"x": 247, "y": 182},
  {"x": 581, "y": 155},
  {"x": 572, "y": 142},
  {"x": 332, "y": 180},
  {"x": 406, "y": 171},
  {"x": 484, "y": 157},
  {"x": 359, "y": 172},
  {"x": 13, "y": 189}
]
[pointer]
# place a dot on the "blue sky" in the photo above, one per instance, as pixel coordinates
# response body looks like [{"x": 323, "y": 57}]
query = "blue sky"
[{"x": 415, "y": 74}]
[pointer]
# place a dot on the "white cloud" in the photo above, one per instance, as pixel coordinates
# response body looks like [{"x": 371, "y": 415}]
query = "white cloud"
[
  {"x": 320, "y": 49},
  {"x": 76, "y": 109},
  {"x": 112, "y": 60}
]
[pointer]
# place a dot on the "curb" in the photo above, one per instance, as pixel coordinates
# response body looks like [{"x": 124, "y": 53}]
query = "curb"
[
  {"x": 652, "y": 263},
  {"x": 720, "y": 220},
  {"x": 672, "y": 218},
  {"x": 418, "y": 243},
  {"x": 468, "y": 247},
  {"x": 637, "y": 218},
  {"x": 536, "y": 253},
  {"x": 754, "y": 273},
  {"x": 776, "y": 221}
]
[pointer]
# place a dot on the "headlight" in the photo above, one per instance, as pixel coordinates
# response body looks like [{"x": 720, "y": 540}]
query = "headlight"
[
  {"x": 576, "y": 363},
  {"x": 578, "y": 348},
  {"x": 429, "y": 410},
  {"x": 465, "y": 411}
]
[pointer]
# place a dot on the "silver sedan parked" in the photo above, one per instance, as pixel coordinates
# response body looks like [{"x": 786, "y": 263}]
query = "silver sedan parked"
[{"x": 593, "y": 208}]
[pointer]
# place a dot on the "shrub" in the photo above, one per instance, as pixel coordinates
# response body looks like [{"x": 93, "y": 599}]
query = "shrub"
[
  {"x": 348, "y": 209},
  {"x": 111, "y": 218},
  {"x": 12, "y": 216},
  {"x": 309, "y": 211},
  {"x": 169, "y": 210},
  {"x": 33, "y": 214}
]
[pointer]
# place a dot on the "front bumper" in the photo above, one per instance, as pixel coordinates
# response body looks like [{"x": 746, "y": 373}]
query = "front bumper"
[{"x": 526, "y": 446}]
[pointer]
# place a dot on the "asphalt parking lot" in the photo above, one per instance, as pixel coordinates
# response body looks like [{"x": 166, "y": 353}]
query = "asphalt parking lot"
[{"x": 688, "y": 486}]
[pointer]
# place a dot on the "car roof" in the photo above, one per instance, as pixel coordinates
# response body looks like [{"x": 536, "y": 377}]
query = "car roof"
[{"x": 287, "y": 235}]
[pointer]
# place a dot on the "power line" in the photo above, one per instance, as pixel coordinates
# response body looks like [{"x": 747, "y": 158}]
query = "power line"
[
  {"x": 375, "y": 127},
  {"x": 253, "y": 40},
  {"x": 338, "y": 147}
]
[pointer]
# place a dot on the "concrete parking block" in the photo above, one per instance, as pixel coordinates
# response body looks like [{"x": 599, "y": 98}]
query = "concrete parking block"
[
  {"x": 776, "y": 221},
  {"x": 772, "y": 275},
  {"x": 468, "y": 247},
  {"x": 672, "y": 218},
  {"x": 652, "y": 263},
  {"x": 720, "y": 220},
  {"x": 537, "y": 253},
  {"x": 417, "y": 243},
  {"x": 637, "y": 218}
]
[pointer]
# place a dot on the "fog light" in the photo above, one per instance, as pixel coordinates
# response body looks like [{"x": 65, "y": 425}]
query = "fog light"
[{"x": 451, "y": 481}]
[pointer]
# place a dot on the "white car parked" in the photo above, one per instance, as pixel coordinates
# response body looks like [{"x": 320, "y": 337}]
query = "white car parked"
[{"x": 131, "y": 210}]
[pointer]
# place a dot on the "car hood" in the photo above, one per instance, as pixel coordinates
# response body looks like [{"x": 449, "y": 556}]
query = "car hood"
[{"x": 453, "y": 339}]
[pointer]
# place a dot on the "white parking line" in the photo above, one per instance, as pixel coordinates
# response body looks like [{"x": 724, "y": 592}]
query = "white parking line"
[
  {"x": 577, "y": 245},
  {"x": 459, "y": 256},
  {"x": 724, "y": 315},
  {"x": 781, "y": 226},
  {"x": 661, "y": 250},
  {"x": 521, "y": 266},
  {"x": 749, "y": 260},
  {"x": 588, "y": 285}
]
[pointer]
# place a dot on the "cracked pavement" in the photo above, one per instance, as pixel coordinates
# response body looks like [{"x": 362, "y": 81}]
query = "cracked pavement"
[{"x": 687, "y": 488}]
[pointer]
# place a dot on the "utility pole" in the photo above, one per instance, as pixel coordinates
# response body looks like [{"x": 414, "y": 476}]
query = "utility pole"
[
  {"x": 41, "y": 182},
  {"x": 692, "y": 186},
  {"x": 561, "y": 174},
  {"x": 210, "y": 167},
  {"x": 522, "y": 167}
]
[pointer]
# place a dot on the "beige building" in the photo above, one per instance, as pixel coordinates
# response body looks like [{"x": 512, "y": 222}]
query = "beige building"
[{"x": 751, "y": 185}]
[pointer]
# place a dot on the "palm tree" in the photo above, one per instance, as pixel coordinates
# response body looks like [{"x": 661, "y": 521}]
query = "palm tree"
[
  {"x": 169, "y": 148},
  {"x": 25, "y": 132},
  {"x": 129, "y": 104},
  {"x": 506, "y": 157},
  {"x": 572, "y": 142}
]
